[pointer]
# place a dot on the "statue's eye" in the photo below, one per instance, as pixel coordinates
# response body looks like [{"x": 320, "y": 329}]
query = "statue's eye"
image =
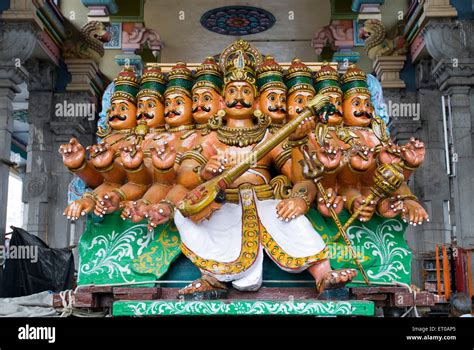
[
  {"x": 246, "y": 91},
  {"x": 232, "y": 91},
  {"x": 151, "y": 105},
  {"x": 272, "y": 98},
  {"x": 179, "y": 102},
  {"x": 299, "y": 100},
  {"x": 207, "y": 98},
  {"x": 195, "y": 99},
  {"x": 167, "y": 103},
  {"x": 356, "y": 103},
  {"x": 283, "y": 99}
]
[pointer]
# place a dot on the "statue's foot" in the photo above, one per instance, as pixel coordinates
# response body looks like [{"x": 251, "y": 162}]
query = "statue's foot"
[
  {"x": 335, "y": 279},
  {"x": 204, "y": 288}
]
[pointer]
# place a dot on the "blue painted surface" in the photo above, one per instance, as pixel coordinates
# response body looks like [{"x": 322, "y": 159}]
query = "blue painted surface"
[
  {"x": 465, "y": 8},
  {"x": 356, "y": 3},
  {"x": 110, "y": 4},
  {"x": 408, "y": 75},
  {"x": 4, "y": 5}
]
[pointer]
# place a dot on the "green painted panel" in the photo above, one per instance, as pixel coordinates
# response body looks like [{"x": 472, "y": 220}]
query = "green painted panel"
[
  {"x": 379, "y": 244},
  {"x": 243, "y": 307},
  {"x": 117, "y": 251}
]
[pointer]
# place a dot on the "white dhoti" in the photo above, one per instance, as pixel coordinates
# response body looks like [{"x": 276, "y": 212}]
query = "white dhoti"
[{"x": 229, "y": 246}]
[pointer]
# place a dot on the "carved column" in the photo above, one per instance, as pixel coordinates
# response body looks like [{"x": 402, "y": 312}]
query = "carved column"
[
  {"x": 451, "y": 44},
  {"x": 11, "y": 74},
  {"x": 9, "y": 78},
  {"x": 62, "y": 129},
  {"x": 37, "y": 181}
]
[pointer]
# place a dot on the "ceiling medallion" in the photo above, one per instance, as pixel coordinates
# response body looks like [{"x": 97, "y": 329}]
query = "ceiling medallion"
[{"x": 237, "y": 20}]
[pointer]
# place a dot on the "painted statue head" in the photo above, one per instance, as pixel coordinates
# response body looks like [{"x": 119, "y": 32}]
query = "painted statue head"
[
  {"x": 207, "y": 88},
  {"x": 123, "y": 108},
  {"x": 272, "y": 100},
  {"x": 150, "y": 98},
  {"x": 298, "y": 80},
  {"x": 326, "y": 82},
  {"x": 240, "y": 92},
  {"x": 178, "y": 103},
  {"x": 357, "y": 106}
]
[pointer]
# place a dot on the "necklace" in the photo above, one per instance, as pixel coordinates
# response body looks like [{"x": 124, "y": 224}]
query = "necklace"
[
  {"x": 179, "y": 128},
  {"x": 240, "y": 137}
]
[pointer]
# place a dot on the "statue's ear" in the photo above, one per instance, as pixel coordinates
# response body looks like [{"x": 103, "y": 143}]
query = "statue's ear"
[{"x": 221, "y": 102}]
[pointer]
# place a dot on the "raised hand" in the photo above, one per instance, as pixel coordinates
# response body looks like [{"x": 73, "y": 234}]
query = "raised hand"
[
  {"x": 131, "y": 156},
  {"x": 101, "y": 155},
  {"x": 413, "y": 153},
  {"x": 390, "y": 154},
  {"x": 134, "y": 210},
  {"x": 390, "y": 207},
  {"x": 414, "y": 213},
  {"x": 303, "y": 130},
  {"x": 109, "y": 203},
  {"x": 291, "y": 208},
  {"x": 163, "y": 155},
  {"x": 367, "y": 213},
  {"x": 74, "y": 154},
  {"x": 78, "y": 208},
  {"x": 329, "y": 156},
  {"x": 157, "y": 214},
  {"x": 332, "y": 201},
  {"x": 362, "y": 158},
  {"x": 215, "y": 166}
]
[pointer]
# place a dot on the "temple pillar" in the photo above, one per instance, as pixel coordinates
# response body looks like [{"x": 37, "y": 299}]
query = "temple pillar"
[
  {"x": 63, "y": 128},
  {"x": 9, "y": 78},
  {"x": 37, "y": 181}
]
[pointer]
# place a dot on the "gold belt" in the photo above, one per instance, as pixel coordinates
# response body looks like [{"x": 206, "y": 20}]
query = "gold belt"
[{"x": 262, "y": 192}]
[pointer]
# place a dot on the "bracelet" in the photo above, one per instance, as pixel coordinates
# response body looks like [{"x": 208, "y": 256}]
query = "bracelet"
[
  {"x": 303, "y": 194},
  {"x": 79, "y": 168},
  {"x": 354, "y": 170},
  {"x": 350, "y": 203},
  {"x": 90, "y": 195},
  {"x": 297, "y": 143},
  {"x": 408, "y": 196},
  {"x": 163, "y": 171},
  {"x": 171, "y": 205},
  {"x": 407, "y": 167},
  {"x": 105, "y": 169},
  {"x": 134, "y": 170},
  {"x": 146, "y": 202},
  {"x": 197, "y": 170},
  {"x": 121, "y": 194}
]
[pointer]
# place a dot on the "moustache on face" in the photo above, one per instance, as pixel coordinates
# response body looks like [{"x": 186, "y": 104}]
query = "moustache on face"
[
  {"x": 203, "y": 108},
  {"x": 145, "y": 115},
  {"x": 363, "y": 114},
  {"x": 176, "y": 113},
  {"x": 238, "y": 101},
  {"x": 276, "y": 109},
  {"x": 117, "y": 116}
]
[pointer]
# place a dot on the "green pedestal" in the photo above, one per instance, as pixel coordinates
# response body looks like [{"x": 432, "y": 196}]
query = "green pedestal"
[
  {"x": 243, "y": 307},
  {"x": 116, "y": 251}
]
